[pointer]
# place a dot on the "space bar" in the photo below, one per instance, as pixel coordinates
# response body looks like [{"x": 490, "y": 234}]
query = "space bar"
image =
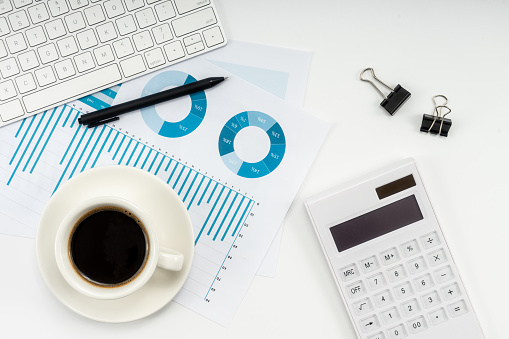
[{"x": 63, "y": 91}]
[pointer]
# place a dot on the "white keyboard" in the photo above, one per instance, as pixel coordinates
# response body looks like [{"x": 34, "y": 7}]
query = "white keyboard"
[{"x": 56, "y": 51}]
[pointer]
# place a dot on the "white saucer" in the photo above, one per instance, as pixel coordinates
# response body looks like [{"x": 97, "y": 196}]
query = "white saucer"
[{"x": 158, "y": 200}]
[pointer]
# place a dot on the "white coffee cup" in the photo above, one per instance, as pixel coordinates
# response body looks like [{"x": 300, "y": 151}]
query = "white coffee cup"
[{"x": 155, "y": 255}]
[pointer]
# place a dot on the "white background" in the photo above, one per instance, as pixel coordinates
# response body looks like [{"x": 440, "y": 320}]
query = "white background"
[{"x": 455, "y": 48}]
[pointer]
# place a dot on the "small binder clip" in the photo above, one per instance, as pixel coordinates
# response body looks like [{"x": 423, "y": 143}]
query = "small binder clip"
[
  {"x": 437, "y": 123},
  {"x": 395, "y": 99}
]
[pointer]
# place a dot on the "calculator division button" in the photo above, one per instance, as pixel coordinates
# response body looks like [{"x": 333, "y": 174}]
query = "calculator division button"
[
  {"x": 431, "y": 299},
  {"x": 356, "y": 290},
  {"x": 383, "y": 298},
  {"x": 404, "y": 290},
  {"x": 370, "y": 324},
  {"x": 390, "y": 256},
  {"x": 391, "y": 315},
  {"x": 437, "y": 257},
  {"x": 444, "y": 274},
  {"x": 376, "y": 281},
  {"x": 458, "y": 308},
  {"x": 451, "y": 291},
  {"x": 362, "y": 307},
  {"x": 410, "y": 307},
  {"x": 370, "y": 264},
  {"x": 349, "y": 272},
  {"x": 398, "y": 332},
  {"x": 417, "y": 265},
  {"x": 379, "y": 335},
  {"x": 396, "y": 273},
  {"x": 410, "y": 248},
  {"x": 417, "y": 325},
  {"x": 423, "y": 283},
  {"x": 430, "y": 240},
  {"x": 437, "y": 316}
]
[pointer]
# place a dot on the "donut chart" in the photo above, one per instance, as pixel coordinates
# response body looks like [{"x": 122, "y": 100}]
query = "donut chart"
[
  {"x": 272, "y": 159},
  {"x": 170, "y": 129}
]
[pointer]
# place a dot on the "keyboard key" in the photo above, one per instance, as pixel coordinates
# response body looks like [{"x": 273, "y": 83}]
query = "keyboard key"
[
  {"x": 195, "y": 48},
  {"x": 213, "y": 36},
  {"x": 145, "y": 18},
  {"x": 94, "y": 15},
  {"x": 106, "y": 32},
  {"x": 86, "y": 39},
  {"x": 55, "y": 29},
  {"x": 174, "y": 51},
  {"x": 370, "y": 264},
  {"x": 370, "y": 324},
  {"x": 430, "y": 240},
  {"x": 76, "y": 87},
  {"x": 35, "y": 36},
  {"x": 38, "y": 13},
  {"x": 390, "y": 256},
  {"x": 75, "y": 22},
  {"x": 65, "y": 69},
  {"x": 194, "y": 21},
  {"x": 132, "y": 66},
  {"x": 67, "y": 46},
  {"x": 84, "y": 62},
  {"x": 192, "y": 39},
  {"x": 4, "y": 27},
  {"x": 162, "y": 33},
  {"x": 28, "y": 60},
  {"x": 437, "y": 257},
  {"x": 22, "y": 3},
  {"x": 362, "y": 307},
  {"x": 142, "y": 41},
  {"x": 114, "y": 8},
  {"x": 8, "y": 67},
  {"x": 438, "y": 316},
  {"x": 376, "y": 281},
  {"x": 458, "y": 308},
  {"x": 417, "y": 265},
  {"x": 19, "y": 20},
  {"x": 398, "y": 332},
  {"x": 430, "y": 300},
  {"x": 57, "y": 7},
  {"x": 5, "y": 6},
  {"x": 103, "y": 55},
  {"x": 404, "y": 290},
  {"x": 7, "y": 90},
  {"x": 126, "y": 25},
  {"x": 134, "y": 4},
  {"x": 123, "y": 47},
  {"x": 45, "y": 76},
  {"x": 444, "y": 274},
  {"x": 396, "y": 273},
  {"x": 417, "y": 325},
  {"x": 383, "y": 298},
  {"x": 184, "y": 6},
  {"x": 75, "y": 4},
  {"x": 11, "y": 110},
  {"x": 164, "y": 11},
  {"x": 450, "y": 292},
  {"x": 356, "y": 290},
  {"x": 16, "y": 43},
  {"x": 47, "y": 53},
  {"x": 25, "y": 83},
  {"x": 155, "y": 58},
  {"x": 391, "y": 315},
  {"x": 349, "y": 272},
  {"x": 3, "y": 50},
  {"x": 410, "y": 307},
  {"x": 423, "y": 283}
]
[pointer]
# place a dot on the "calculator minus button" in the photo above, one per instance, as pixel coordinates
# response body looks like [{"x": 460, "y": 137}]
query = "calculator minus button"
[
  {"x": 444, "y": 274},
  {"x": 356, "y": 290},
  {"x": 349, "y": 272}
]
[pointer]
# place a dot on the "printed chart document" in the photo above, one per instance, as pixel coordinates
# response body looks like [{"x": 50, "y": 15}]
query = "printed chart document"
[{"x": 237, "y": 157}]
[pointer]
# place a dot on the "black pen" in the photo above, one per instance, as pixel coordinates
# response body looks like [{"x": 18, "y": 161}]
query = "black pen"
[{"x": 111, "y": 113}]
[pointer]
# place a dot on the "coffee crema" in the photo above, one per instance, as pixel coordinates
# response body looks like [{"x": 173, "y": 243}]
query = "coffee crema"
[{"x": 108, "y": 246}]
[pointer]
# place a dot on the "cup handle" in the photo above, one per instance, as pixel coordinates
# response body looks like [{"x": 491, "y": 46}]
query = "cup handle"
[{"x": 170, "y": 260}]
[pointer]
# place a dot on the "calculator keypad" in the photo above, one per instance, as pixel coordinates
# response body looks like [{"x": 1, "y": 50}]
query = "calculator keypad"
[{"x": 404, "y": 290}]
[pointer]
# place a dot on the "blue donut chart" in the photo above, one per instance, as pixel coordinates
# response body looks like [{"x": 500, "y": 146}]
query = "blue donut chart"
[
  {"x": 273, "y": 157},
  {"x": 190, "y": 122}
]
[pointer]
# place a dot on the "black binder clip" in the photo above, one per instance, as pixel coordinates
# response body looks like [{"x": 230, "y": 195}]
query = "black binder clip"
[
  {"x": 395, "y": 99},
  {"x": 437, "y": 123}
]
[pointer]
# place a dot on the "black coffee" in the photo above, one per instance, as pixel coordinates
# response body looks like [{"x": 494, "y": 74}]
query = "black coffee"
[{"x": 108, "y": 246}]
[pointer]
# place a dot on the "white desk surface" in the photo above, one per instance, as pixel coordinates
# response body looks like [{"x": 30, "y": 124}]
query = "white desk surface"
[{"x": 457, "y": 48}]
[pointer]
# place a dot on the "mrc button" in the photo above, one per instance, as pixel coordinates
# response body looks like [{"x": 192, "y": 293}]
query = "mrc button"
[{"x": 349, "y": 272}]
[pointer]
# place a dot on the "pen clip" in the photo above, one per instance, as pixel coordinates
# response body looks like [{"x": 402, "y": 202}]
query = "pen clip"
[{"x": 102, "y": 122}]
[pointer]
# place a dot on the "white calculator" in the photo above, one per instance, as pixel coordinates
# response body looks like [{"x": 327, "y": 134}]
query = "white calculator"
[{"x": 390, "y": 259}]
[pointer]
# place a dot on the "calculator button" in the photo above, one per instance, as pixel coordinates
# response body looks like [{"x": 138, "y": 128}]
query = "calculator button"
[
  {"x": 398, "y": 332},
  {"x": 417, "y": 325},
  {"x": 404, "y": 290},
  {"x": 396, "y": 273},
  {"x": 437, "y": 257},
  {"x": 430, "y": 240},
  {"x": 362, "y": 307},
  {"x": 450, "y": 292},
  {"x": 370, "y": 324},
  {"x": 423, "y": 283},
  {"x": 458, "y": 308},
  {"x": 356, "y": 290},
  {"x": 437, "y": 316},
  {"x": 383, "y": 298},
  {"x": 391, "y": 315},
  {"x": 379, "y": 335},
  {"x": 417, "y": 265},
  {"x": 348, "y": 273},
  {"x": 410, "y": 248},
  {"x": 390, "y": 256},
  {"x": 370, "y": 264},
  {"x": 444, "y": 274},
  {"x": 430, "y": 299},
  {"x": 410, "y": 307},
  {"x": 376, "y": 281}
]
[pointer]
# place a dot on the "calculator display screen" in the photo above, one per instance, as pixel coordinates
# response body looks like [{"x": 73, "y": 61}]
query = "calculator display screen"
[{"x": 376, "y": 223}]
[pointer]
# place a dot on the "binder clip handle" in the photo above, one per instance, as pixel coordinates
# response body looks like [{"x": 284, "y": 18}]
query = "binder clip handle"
[
  {"x": 430, "y": 122},
  {"x": 396, "y": 97}
]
